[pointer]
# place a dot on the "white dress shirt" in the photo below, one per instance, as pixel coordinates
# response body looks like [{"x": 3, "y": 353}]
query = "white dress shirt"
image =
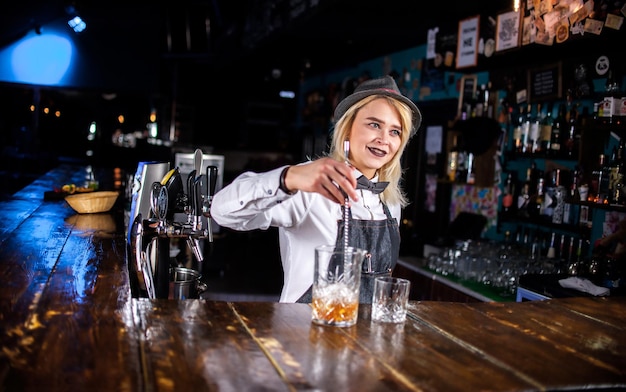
[{"x": 304, "y": 220}]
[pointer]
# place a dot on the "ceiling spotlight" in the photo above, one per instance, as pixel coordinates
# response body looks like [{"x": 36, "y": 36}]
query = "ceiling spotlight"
[{"x": 77, "y": 24}]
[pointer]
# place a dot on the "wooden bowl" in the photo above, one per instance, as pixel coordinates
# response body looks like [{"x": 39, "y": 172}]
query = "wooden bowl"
[{"x": 92, "y": 202}]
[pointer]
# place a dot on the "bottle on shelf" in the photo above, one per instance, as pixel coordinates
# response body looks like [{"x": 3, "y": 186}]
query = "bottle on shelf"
[
  {"x": 534, "y": 250},
  {"x": 549, "y": 187},
  {"x": 558, "y": 128},
  {"x": 560, "y": 194},
  {"x": 571, "y": 206},
  {"x": 579, "y": 253},
  {"x": 471, "y": 170},
  {"x": 519, "y": 137},
  {"x": 572, "y": 264},
  {"x": 610, "y": 107},
  {"x": 481, "y": 97},
  {"x": 596, "y": 112},
  {"x": 508, "y": 193},
  {"x": 490, "y": 102},
  {"x": 523, "y": 199},
  {"x": 572, "y": 137},
  {"x": 618, "y": 197},
  {"x": 583, "y": 217},
  {"x": 562, "y": 254},
  {"x": 535, "y": 174},
  {"x": 453, "y": 157},
  {"x": 604, "y": 181},
  {"x": 616, "y": 173},
  {"x": 599, "y": 180},
  {"x": 537, "y": 201},
  {"x": 545, "y": 132},
  {"x": 532, "y": 125},
  {"x": 461, "y": 166}
]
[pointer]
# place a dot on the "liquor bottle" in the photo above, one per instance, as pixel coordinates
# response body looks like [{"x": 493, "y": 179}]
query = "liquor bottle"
[
  {"x": 579, "y": 252},
  {"x": 557, "y": 131},
  {"x": 610, "y": 102},
  {"x": 536, "y": 204},
  {"x": 481, "y": 96},
  {"x": 572, "y": 200},
  {"x": 534, "y": 250},
  {"x": 461, "y": 167},
  {"x": 541, "y": 197},
  {"x": 508, "y": 194},
  {"x": 523, "y": 199},
  {"x": 490, "y": 105},
  {"x": 562, "y": 254},
  {"x": 618, "y": 196},
  {"x": 596, "y": 112},
  {"x": 471, "y": 170},
  {"x": 558, "y": 210},
  {"x": 453, "y": 157},
  {"x": 600, "y": 180},
  {"x": 533, "y": 130},
  {"x": 606, "y": 186},
  {"x": 536, "y": 129},
  {"x": 549, "y": 187},
  {"x": 616, "y": 169},
  {"x": 518, "y": 133},
  {"x": 572, "y": 135},
  {"x": 545, "y": 132},
  {"x": 535, "y": 174},
  {"x": 572, "y": 265}
]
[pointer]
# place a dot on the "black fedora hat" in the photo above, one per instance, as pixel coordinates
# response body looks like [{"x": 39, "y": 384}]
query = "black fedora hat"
[{"x": 380, "y": 86}]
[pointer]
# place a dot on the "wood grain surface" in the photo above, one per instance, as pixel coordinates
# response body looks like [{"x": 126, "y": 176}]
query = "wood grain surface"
[{"x": 69, "y": 323}]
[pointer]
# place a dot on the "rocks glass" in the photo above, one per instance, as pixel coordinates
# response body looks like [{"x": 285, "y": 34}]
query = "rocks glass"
[
  {"x": 336, "y": 284},
  {"x": 390, "y": 299}
]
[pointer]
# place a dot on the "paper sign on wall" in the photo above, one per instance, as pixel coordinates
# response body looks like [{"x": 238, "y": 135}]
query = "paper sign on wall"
[{"x": 467, "y": 46}]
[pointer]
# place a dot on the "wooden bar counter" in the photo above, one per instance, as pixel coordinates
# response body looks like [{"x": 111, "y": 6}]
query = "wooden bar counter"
[{"x": 69, "y": 323}]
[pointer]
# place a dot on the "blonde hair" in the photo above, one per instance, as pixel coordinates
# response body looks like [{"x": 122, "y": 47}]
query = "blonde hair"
[{"x": 392, "y": 170}]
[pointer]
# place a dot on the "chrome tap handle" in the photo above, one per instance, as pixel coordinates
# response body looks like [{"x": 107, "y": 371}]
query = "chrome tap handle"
[
  {"x": 190, "y": 193},
  {"x": 194, "y": 245},
  {"x": 197, "y": 161},
  {"x": 196, "y": 204},
  {"x": 211, "y": 175}
]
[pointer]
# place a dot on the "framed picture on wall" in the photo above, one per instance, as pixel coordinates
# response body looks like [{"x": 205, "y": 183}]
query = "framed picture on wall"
[
  {"x": 545, "y": 83},
  {"x": 467, "y": 44},
  {"x": 507, "y": 31}
]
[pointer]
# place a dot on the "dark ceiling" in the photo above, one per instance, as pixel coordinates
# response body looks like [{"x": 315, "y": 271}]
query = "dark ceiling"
[
  {"x": 227, "y": 39},
  {"x": 213, "y": 58}
]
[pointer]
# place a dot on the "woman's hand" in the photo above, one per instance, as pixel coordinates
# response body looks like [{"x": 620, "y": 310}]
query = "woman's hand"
[{"x": 326, "y": 176}]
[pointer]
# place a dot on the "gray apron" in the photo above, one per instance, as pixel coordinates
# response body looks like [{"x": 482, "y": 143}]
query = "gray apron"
[{"x": 381, "y": 238}]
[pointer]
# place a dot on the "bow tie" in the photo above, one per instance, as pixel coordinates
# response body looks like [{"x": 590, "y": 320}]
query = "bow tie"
[{"x": 375, "y": 187}]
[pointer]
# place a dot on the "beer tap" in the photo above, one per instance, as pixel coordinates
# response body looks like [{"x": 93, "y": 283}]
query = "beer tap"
[
  {"x": 150, "y": 235},
  {"x": 188, "y": 203},
  {"x": 195, "y": 217},
  {"x": 211, "y": 175},
  {"x": 197, "y": 202},
  {"x": 169, "y": 199}
]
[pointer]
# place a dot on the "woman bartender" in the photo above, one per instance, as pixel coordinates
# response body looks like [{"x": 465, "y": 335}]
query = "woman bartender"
[{"x": 305, "y": 201}]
